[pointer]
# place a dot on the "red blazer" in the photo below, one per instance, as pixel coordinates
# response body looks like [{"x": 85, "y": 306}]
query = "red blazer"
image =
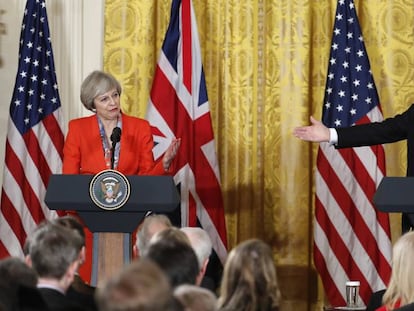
[{"x": 83, "y": 152}]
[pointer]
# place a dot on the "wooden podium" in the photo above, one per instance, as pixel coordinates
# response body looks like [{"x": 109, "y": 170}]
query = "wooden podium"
[{"x": 147, "y": 193}]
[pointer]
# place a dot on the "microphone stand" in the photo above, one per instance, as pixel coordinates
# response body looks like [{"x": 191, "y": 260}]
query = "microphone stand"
[
  {"x": 115, "y": 137},
  {"x": 113, "y": 154}
]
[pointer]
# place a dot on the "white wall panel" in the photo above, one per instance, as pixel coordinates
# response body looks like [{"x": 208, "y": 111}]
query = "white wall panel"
[{"x": 76, "y": 28}]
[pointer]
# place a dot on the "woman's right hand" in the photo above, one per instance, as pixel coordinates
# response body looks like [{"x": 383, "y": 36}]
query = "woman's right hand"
[{"x": 171, "y": 153}]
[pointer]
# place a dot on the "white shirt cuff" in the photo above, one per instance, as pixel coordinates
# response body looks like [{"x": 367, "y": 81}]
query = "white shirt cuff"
[{"x": 333, "y": 136}]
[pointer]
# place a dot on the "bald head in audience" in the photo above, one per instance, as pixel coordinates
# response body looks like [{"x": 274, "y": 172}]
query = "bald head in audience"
[{"x": 150, "y": 226}]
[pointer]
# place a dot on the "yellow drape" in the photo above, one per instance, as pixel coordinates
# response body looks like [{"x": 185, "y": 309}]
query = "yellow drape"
[{"x": 265, "y": 64}]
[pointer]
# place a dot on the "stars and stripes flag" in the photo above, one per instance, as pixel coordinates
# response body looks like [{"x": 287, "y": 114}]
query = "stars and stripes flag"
[
  {"x": 351, "y": 238},
  {"x": 179, "y": 107},
  {"x": 35, "y": 138}
]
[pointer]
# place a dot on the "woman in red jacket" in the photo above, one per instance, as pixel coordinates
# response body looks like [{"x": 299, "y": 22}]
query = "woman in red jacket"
[
  {"x": 88, "y": 144},
  {"x": 87, "y": 148}
]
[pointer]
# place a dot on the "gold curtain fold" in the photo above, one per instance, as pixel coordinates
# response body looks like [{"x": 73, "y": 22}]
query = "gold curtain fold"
[{"x": 265, "y": 64}]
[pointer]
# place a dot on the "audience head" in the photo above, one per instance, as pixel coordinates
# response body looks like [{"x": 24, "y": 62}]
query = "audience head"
[
  {"x": 171, "y": 236},
  {"x": 401, "y": 285},
  {"x": 27, "y": 242},
  {"x": 55, "y": 252},
  {"x": 249, "y": 279},
  {"x": 95, "y": 84},
  {"x": 13, "y": 269},
  {"x": 7, "y": 296},
  {"x": 18, "y": 286},
  {"x": 195, "y": 298},
  {"x": 201, "y": 243},
  {"x": 150, "y": 226},
  {"x": 140, "y": 286},
  {"x": 172, "y": 251},
  {"x": 71, "y": 222}
]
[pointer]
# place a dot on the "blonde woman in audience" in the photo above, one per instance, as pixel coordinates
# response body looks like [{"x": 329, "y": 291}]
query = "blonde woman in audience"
[
  {"x": 249, "y": 279},
  {"x": 400, "y": 290}
]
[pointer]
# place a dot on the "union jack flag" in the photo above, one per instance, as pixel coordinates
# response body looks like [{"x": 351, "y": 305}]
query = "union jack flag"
[
  {"x": 352, "y": 239},
  {"x": 34, "y": 141},
  {"x": 179, "y": 107}
]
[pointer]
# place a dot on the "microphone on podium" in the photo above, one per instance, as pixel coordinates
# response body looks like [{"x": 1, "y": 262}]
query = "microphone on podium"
[{"x": 115, "y": 138}]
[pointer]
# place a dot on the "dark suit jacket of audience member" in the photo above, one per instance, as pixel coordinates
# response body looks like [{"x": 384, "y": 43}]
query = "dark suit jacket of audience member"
[
  {"x": 82, "y": 293},
  {"x": 375, "y": 301},
  {"x": 409, "y": 307},
  {"x": 14, "y": 296},
  {"x": 214, "y": 273},
  {"x": 208, "y": 283},
  {"x": 56, "y": 301},
  {"x": 30, "y": 299}
]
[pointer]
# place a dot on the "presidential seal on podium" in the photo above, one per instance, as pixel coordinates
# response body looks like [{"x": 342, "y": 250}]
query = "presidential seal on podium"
[{"x": 109, "y": 189}]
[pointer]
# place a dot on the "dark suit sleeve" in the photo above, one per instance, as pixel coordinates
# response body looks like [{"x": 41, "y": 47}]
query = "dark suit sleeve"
[{"x": 393, "y": 129}]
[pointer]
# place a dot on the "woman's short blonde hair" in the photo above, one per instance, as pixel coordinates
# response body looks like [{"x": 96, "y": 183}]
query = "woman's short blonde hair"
[
  {"x": 96, "y": 84},
  {"x": 401, "y": 286}
]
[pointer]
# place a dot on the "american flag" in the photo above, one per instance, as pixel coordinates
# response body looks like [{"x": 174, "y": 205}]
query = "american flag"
[
  {"x": 351, "y": 238},
  {"x": 179, "y": 107},
  {"x": 34, "y": 140}
]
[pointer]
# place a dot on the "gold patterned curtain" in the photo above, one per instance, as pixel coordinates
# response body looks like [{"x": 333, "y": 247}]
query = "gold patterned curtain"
[{"x": 265, "y": 64}]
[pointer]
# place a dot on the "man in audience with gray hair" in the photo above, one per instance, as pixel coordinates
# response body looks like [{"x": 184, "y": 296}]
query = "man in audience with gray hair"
[
  {"x": 201, "y": 243},
  {"x": 55, "y": 253},
  {"x": 79, "y": 291}
]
